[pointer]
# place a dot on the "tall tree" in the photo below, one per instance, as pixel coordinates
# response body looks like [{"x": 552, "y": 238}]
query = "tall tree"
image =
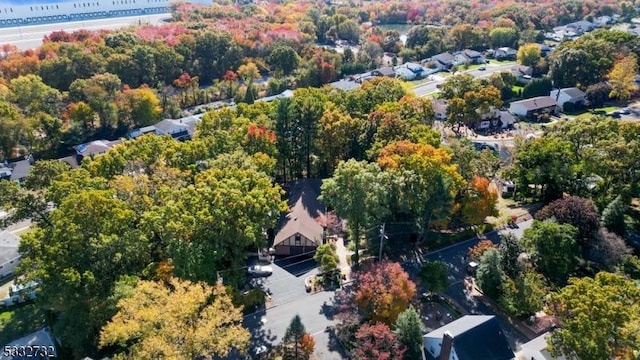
[
  {"x": 409, "y": 329},
  {"x": 553, "y": 248},
  {"x": 510, "y": 250},
  {"x": 293, "y": 338},
  {"x": 598, "y": 318},
  {"x": 356, "y": 193},
  {"x": 434, "y": 275},
  {"x": 327, "y": 257},
  {"x": 622, "y": 77},
  {"x": 489, "y": 274},
  {"x": 384, "y": 291},
  {"x": 305, "y": 110},
  {"x": 579, "y": 212},
  {"x": 479, "y": 201},
  {"x": 503, "y": 36},
  {"x": 178, "y": 320}
]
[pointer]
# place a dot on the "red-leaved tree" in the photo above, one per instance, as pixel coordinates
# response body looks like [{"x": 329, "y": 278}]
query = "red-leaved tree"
[
  {"x": 383, "y": 291},
  {"x": 377, "y": 342}
]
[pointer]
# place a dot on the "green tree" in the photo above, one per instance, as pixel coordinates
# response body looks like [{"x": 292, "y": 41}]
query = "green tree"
[
  {"x": 457, "y": 86},
  {"x": 613, "y": 216},
  {"x": 31, "y": 94},
  {"x": 355, "y": 192},
  {"x": 284, "y": 59},
  {"x": 510, "y": 250},
  {"x": 178, "y": 320},
  {"x": 529, "y": 54},
  {"x": 525, "y": 294},
  {"x": 43, "y": 173},
  {"x": 489, "y": 274},
  {"x": 327, "y": 257},
  {"x": 599, "y": 317},
  {"x": 434, "y": 275},
  {"x": 293, "y": 337},
  {"x": 553, "y": 248},
  {"x": 409, "y": 329},
  {"x": 503, "y": 36}
]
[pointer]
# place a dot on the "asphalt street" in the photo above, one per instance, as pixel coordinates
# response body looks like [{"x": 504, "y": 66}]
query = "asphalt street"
[
  {"x": 455, "y": 258},
  {"x": 430, "y": 87},
  {"x": 28, "y": 37}
]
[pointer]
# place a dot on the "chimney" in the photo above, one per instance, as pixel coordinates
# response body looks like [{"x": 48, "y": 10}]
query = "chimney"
[{"x": 447, "y": 345}]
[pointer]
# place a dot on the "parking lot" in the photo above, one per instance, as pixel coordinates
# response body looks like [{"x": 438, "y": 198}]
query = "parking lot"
[{"x": 287, "y": 281}]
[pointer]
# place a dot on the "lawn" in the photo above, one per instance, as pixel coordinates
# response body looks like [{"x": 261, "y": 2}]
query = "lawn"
[
  {"x": 608, "y": 109},
  {"x": 20, "y": 321}
]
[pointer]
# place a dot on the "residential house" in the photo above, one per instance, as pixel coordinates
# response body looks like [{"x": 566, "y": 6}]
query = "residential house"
[
  {"x": 300, "y": 230},
  {"x": 506, "y": 119},
  {"x": 416, "y": 68},
  {"x": 472, "y": 337},
  {"x": 345, "y": 85},
  {"x": 505, "y": 53},
  {"x": 469, "y": 57},
  {"x": 405, "y": 73},
  {"x": 9, "y": 255},
  {"x": 444, "y": 61},
  {"x": 16, "y": 170},
  {"x": 602, "y": 21},
  {"x": 545, "y": 50},
  {"x": 536, "y": 349},
  {"x": 440, "y": 108},
  {"x": 179, "y": 129},
  {"x": 93, "y": 148},
  {"x": 522, "y": 72},
  {"x": 285, "y": 94},
  {"x": 581, "y": 27},
  {"x": 41, "y": 341},
  {"x": 530, "y": 107},
  {"x": 568, "y": 95},
  {"x": 387, "y": 71}
]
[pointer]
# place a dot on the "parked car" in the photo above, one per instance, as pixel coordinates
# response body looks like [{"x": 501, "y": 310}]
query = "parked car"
[
  {"x": 615, "y": 114},
  {"x": 260, "y": 270},
  {"x": 625, "y": 111},
  {"x": 482, "y": 68}
]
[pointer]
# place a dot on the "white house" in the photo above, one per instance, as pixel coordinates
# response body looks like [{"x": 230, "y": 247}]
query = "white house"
[
  {"x": 529, "y": 107},
  {"x": 405, "y": 73},
  {"x": 536, "y": 349},
  {"x": 472, "y": 337},
  {"x": 572, "y": 95},
  {"x": 505, "y": 53},
  {"x": 9, "y": 255}
]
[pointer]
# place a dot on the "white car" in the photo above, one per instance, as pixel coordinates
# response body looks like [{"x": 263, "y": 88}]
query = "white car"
[{"x": 260, "y": 270}]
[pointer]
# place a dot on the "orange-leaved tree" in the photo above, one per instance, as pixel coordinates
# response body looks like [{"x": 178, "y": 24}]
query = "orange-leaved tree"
[{"x": 479, "y": 201}]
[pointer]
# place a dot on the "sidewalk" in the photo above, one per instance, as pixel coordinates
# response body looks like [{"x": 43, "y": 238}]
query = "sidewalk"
[{"x": 343, "y": 254}]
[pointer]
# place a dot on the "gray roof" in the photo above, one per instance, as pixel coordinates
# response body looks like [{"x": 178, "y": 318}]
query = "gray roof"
[
  {"x": 40, "y": 338},
  {"x": 519, "y": 70},
  {"x": 21, "y": 169},
  {"x": 444, "y": 58},
  {"x": 305, "y": 208},
  {"x": 574, "y": 92},
  {"x": 472, "y": 53},
  {"x": 8, "y": 247},
  {"x": 539, "y": 346},
  {"x": 285, "y": 94},
  {"x": 476, "y": 337},
  {"x": 71, "y": 160},
  {"x": 540, "y": 102},
  {"x": 95, "y": 147},
  {"x": 386, "y": 71},
  {"x": 345, "y": 85}
]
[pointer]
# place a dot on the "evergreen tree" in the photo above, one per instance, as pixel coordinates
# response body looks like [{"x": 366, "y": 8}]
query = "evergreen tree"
[{"x": 409, "y": 330}]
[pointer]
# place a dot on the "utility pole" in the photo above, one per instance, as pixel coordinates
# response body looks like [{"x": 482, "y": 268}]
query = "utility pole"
[{"x": 382, "y": 237}]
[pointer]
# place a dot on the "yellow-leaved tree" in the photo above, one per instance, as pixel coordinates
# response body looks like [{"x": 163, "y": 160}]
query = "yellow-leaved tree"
[
  {"x": 178, "y": 320},
  {"x": 623, "y": 77}
]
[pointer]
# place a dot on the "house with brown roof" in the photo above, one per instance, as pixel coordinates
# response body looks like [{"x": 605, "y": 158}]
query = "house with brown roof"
[
  {"x": 300, "y": 231},
  {"x": 537, "y": 105}
]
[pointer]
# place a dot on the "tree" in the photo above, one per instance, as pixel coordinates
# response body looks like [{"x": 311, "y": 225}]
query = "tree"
[
  {"x": 31, "y": 94},
  {"x": 510, "y": 250},
  {"x": 525, "y": 294},
  {"x": 337, "y": 137},
  {"x": 296, "y": 337},
  {"x": 305, "y": 110},
  {"x": 138, "y": 107},
  {"x": 503, "y": 36},
  {"x": 598, "y": 94},
  {"x": 529, "y": 54},
  {"x": 356, "y": 195},
  {"x": 434, "y": 275},
  {"x": 43, "y": 173},
  {"x": 476, "y": 252},
  {"x": 613, "y": 216},
  {"x": 384, "y": 291},
  {"x": 457, "y": 86},
  {"x": 489, "y": 274},
  {"x": 326, "y": 257},
  {"x": 465, "y": 36},
  {"x": 409, "y": 329},
  {"x": 622, "y": 77},
  {"x": 377, "y": 342},
  {"x": 553, "y": 248},
  {"x": 579, "y": 212},
  {"x": 479, "y": 201},
  {"x": 179, "y": 320},
  {"x": 248, "y": 72},
  {"x": 608, "y": 250},
  {"x": 537, "y": 87},
  {"x": 609, "y": 303},
  {"x": 284, "y": 58}
]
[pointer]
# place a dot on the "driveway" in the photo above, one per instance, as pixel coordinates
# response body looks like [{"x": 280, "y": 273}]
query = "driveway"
[{"x": 287, "y": 281}]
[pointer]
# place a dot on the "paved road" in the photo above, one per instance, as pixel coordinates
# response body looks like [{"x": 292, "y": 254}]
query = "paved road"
[
  {"x": 455, "y": 258},
  {"x": 28, "y": 37},
  {"x": 428, "y": 88}
]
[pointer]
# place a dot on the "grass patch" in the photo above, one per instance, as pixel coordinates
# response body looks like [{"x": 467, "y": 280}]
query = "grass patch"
[
  {"x": 608, "y": 109},
  {"x": 517, "y": 88},
  {"x": 20, "y": 321}
]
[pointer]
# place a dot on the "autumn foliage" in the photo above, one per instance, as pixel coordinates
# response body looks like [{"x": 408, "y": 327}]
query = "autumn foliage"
[
  {"x": 479, "y": 202},
  {"x": 384, "y": 291},
  {"x": 476, "y": 252},
  {"x": 377, "y": 342}
]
